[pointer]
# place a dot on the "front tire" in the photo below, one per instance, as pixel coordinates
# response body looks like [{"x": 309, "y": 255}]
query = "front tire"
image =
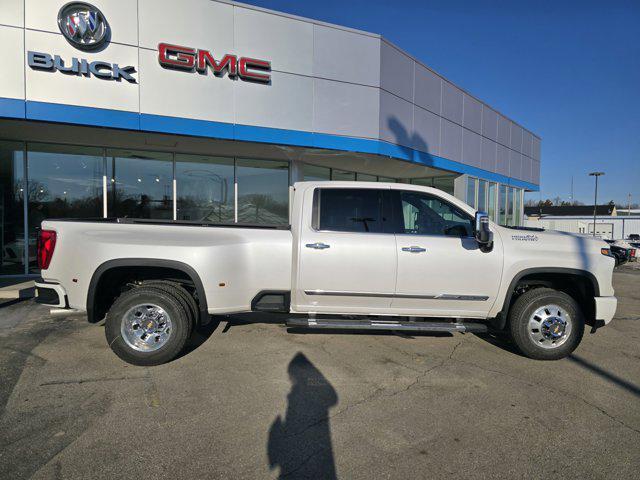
[
  {"x": 147, "y": 326},
  {"x": 546, "y": 324}
]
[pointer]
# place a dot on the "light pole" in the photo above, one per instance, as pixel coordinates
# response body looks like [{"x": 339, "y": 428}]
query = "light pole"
[{"x": 595, "y": 206}]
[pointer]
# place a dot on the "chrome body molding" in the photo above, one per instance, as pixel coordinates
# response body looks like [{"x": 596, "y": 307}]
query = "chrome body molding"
[{"x": 441, "y": 296}]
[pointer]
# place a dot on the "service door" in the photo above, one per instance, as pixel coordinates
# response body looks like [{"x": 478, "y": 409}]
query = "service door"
[
  {"x": 346, "y": 258},
  {"x": 441, "y": 270}
]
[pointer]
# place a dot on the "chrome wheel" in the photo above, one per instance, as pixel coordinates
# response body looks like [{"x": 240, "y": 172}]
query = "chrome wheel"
[
  {"x": 146, "y": 327},
  {"x": 549, "y": 326}
]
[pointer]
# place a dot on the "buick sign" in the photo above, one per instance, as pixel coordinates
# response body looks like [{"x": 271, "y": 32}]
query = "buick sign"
[
  {"x": 86, "y": 28},
  {"x": 83, "y": 25}
]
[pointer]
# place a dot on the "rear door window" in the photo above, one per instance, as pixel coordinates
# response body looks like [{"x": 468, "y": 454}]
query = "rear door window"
[{"x": 350, "y": 210}]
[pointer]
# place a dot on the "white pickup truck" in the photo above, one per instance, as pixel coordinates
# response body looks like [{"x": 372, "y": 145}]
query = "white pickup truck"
[{"x": 357, "y": 256}]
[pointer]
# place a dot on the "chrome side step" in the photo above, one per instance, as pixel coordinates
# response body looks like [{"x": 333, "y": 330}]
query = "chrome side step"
[{"x": 405, "y": 326}]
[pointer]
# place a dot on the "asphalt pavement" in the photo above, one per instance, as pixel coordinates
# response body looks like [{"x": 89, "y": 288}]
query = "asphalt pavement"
[{"x": 252, "y": 400}]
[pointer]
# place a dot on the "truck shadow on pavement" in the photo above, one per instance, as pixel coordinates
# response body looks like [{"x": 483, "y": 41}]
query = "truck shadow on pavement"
[{"x": 300, "y": 444}]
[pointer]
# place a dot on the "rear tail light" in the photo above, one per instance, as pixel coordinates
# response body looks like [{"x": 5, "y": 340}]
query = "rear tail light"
[
  {"x": 46, "y": 245},
  {"x": 633, "y": 253}
]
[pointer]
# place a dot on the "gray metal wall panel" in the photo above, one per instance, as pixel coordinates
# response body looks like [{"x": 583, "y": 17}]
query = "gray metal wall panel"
[
  {"x": 207, "y": 25},
  {"x": 450, "y": 140},
  {"x": 427, "y": 89},
  {"x": 396, "y": 120},
  {"x": 12, "y": 13},
  {"x": 451, "y": 102},
  {"x": 396, "y": 71},
  {"x": 516, "y": 137},
  {"x": 471, "y": 148},
  {"x": 535, "y": 172},
  {"x": 502, "y": 160},
  {"x": 515, "y": 164},
  {"x": 472, "y": 113},
  {"x": 526, "y": 169},
  {"x": 286, "y": 42},
  {"x": 489, "y": 123},
  {"x": 535, "y": 149},
  {"x": 426, "y": 127},
  {"x": 527, "y": 141},
  {"x": 346, "y": 56},
  {"x": 346, "y": 109},
  {"x": 488, "y": 160},
  {"x": 504, "y": 131}
]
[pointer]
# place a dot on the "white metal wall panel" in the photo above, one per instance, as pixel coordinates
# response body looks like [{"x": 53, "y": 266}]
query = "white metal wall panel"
[
  {"x": 195, "y": 23},
  {"x": 451, "y": 102},
  {"x": 346, "y": 56},
  {"x": 471, "y": 148},
  {"x": 427, "y": 89},
  {"x": 426, "y": 127},
  {"x": 488, "y": 160},
  {"x": 396, "y": 120},
  {"x": 346, "y": 109},
  {"x": 12, "y": 71},
  {"x": 396, "y": 75},
  {"x": 12, "y": 13},
  {"x": 178, "y": 94},
  {"x": 535, "y": 172},
  {"x": 535, "y": 149},
  {"x": 526, "y": 169},
  {"x": 122, "y": 16},
  {"x": 472, "y": 114},
  {"x": 286, "y": 103},
  {"x": 56, "y": 87},
  {"x": 451, "y": 140},
  {"x": 287, "y": 42}
]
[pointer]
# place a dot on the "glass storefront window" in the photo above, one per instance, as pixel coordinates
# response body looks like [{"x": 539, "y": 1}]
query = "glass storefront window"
[
  {"x": 141, "y": 184},
  {"x": 387, "y": 180},
  {"x": 363, "y": 177},
  {"x": 341, "y": 175},
  {"x": 510, "y": 195},
  {"x": 517, "y": 208},
  {"x": 425, "y": 182},
  {"x": 204, "y": 188},
  {"x": 482, "y": 195},
  {"x": 492, "y": 201},
  {"x": 502, "y": 205},
  {"x": 446, "y": 184},
  {"x": 63, "y": 182},
  {"x": 313, "y": 173},
  {"x": 263, "y": 191},
  {"x": 471, "y": 192},
  {"x": 12, "y": 241}
]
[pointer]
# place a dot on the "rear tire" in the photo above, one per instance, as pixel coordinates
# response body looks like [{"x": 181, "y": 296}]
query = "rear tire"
[
  {"x": 148, "y": 326},
  {"x": 546, "y": 324}
]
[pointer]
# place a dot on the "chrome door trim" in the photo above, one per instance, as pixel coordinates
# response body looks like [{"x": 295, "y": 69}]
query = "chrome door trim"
[{"x": 441, "y": 296}]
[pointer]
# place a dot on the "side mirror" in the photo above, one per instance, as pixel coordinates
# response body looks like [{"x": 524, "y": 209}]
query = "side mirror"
[{"x": 483, "y": 234}]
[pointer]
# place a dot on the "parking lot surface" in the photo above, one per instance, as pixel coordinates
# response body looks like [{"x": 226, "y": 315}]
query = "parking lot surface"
[{"x": 251, "y": 400}]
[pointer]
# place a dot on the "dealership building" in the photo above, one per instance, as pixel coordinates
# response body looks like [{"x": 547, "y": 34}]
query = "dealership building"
[{"x": 210, "y": 110}]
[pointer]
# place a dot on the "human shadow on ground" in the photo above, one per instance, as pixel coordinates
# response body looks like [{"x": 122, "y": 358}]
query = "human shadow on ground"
[{"x": 300, "y": 444}]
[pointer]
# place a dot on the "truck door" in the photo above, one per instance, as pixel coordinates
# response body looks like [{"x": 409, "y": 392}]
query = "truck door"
[
  {"x": 441, "y": 270},
  {"x": 346, "y": 251}
]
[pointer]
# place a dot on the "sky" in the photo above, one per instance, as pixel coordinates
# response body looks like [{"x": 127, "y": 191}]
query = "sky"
[{"x": 569, "y": 71}]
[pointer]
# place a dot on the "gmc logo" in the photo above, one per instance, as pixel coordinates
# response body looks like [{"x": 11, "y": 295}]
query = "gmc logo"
[{"x": 192, "y": 59}]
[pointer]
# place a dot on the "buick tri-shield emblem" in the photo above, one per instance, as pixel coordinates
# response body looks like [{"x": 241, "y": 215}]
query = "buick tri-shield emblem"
[{"x": 83, "y": 25}]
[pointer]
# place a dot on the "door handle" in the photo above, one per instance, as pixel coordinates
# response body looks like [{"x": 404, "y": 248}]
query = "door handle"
[
  {"x": 414, "y": 249},
  {"x": 317, "y": 245}
]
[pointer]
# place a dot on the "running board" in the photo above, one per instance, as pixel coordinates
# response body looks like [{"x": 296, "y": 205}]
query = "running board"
[{"x": 419, "y": 326}]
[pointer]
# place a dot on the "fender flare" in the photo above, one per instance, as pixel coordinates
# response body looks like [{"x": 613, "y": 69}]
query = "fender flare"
[
  {"x": 502, "y": 316},
  {"x": 146, "y": 262}
]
